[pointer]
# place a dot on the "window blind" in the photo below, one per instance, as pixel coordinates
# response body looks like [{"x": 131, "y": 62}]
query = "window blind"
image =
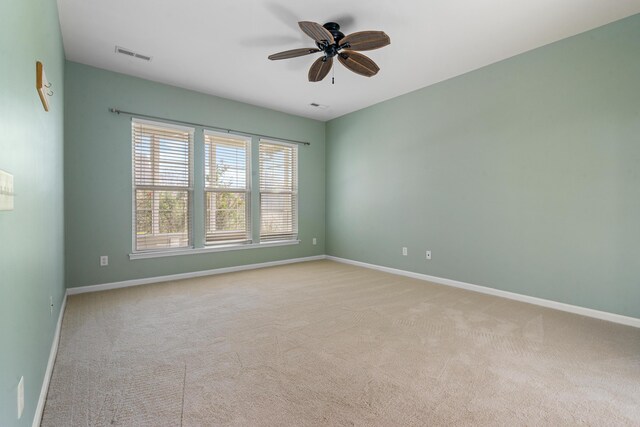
[
  {"x": 227, "y": 189},
  {"x": 278, "y": 191},
  {"x": 162, "y": 183}
]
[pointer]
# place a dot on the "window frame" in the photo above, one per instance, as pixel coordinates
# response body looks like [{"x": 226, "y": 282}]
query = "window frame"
[
  {"x": 196, "y": 191},
  {"x": 247, "y": 191},
  {"x": 294, "y": 235},
  {"x": 189, "y": 189}
]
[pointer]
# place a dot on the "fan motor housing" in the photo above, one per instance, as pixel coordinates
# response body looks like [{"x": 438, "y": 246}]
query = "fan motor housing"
[
  {"x": 332, "y": 49},
  {"x": 334, "y": 29}
]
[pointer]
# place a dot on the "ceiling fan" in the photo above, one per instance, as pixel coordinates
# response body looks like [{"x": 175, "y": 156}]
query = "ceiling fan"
[{"x": 332, "y": 42}]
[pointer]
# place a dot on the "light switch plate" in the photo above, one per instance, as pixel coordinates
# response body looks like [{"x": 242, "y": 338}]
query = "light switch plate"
[
  {"x": 20, "y": 397},
  {"x": 6, "y": 191}
]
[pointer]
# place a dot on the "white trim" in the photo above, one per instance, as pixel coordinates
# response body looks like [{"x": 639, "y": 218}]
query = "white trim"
[
  {"x": 160, "y": 124},
  {"x": 247, "y": 190},
  {"x": 227, "y": 135},
  {"x": 145, "y": 281},
  {"x": 583, "y": 311},
  {"x": 154, "y": 152},
  {"x": 208, "y": 249},
  {"x": 602, "y": 315},
  {"x": 277, "y": 141},
  {"x": 49, "y": 371}
]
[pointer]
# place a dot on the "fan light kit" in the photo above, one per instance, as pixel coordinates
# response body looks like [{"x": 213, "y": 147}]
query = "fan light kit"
[{"x": 331, "y": 42}]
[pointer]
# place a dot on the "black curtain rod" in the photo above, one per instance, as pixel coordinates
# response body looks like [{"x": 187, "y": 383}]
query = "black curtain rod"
[{"x": 115, "y": 110}]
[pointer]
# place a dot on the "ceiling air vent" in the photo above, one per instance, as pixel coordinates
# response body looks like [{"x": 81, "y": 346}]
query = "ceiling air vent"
[
  {"x": 131, "y": 53},
  {"x": 316, "y": 105}
]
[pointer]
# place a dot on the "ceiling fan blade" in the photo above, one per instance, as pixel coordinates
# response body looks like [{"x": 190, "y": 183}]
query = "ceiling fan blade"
[
  {"x": 358, "y": 63},
  {"x": 293, "y": 53},
  {"x": 320, "y": 68},
  {"x": 316, "y": 31},
  {"x": 366, "y": 40}
]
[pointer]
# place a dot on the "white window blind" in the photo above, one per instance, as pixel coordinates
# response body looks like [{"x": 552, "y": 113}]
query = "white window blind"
[
  {"x": 227, "y": 189},
  {"x": 278, "y": 191},
  {"x": 162, "y": 185}
]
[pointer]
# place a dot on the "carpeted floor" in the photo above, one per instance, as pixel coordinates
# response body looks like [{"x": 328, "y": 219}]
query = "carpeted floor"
[{"x": 322, "y": 343}]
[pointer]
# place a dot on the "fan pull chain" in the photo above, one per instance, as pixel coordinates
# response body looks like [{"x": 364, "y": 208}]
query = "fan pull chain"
[{"x": 333, "y": 75}]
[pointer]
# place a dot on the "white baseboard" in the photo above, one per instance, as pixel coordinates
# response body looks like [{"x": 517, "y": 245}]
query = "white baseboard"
[
  {"x": 589, "y": 312},
  {"x": 102, "y": 287},
  {"x": 49, "y": 371},
  {"x": 145, "y": 281},
  {"x": 602, "y": 315}
]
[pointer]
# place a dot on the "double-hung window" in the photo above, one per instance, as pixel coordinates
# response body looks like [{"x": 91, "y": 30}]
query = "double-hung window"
[
  {"x": 278, "y": 191},
  {"x": 235, "y": 206},
  {"x": 162, "y": 185},
  {"x": 227, "y": 188}
]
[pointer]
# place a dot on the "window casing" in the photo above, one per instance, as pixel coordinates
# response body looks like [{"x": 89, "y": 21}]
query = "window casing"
[
  {"x": 229, "y": 214},
  {"x": 278, "y": 191},
  {"x": 227, "y": 188},
  {"x": 162, "y": 185}
]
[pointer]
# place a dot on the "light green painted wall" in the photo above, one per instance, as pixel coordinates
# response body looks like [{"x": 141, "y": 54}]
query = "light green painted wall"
[
  {"x": 98, "y": 173},
  {"x": 522, "y": 176},
  {"x": 31, "y": 236}
]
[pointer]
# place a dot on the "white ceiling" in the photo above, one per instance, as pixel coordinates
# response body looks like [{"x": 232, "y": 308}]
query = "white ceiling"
[{"x": 220, "y": 47}]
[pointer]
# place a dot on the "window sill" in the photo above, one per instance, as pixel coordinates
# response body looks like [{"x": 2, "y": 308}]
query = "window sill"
[{"x": 209, "y": 249}]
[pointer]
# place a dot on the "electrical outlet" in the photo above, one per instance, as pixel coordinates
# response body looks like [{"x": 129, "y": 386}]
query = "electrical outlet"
[
  {"x": 20, "y": 397},
  {"x": 315, "y": 241},
  {"x": 428, "y": 254},
  {"x": 104, "y": 261},
  {"x": 51, "y": 305},
  {"x": 404, "y": 251}
]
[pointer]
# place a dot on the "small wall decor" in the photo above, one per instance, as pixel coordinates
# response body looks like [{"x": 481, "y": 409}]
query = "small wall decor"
[
  {"x": 43, "y": 85},
  {"x": 6, "y": 191}
]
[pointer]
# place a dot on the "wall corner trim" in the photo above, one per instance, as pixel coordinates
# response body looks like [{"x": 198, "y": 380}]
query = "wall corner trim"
[
  {"x": 37, "y": 417},
  {"x": 583, "y": 311},
  {"x": 181, "y": 276}
]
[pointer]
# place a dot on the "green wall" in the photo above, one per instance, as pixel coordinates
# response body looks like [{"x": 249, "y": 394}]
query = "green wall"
[
  {"x": 98, "y": 173},
  {"x": 522, "y": 176},
  {"x": 31, "y": 236}
]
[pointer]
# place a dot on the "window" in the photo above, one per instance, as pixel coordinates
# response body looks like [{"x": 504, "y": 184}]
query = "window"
[
  {"x": 278, "y": 191},
  {"x": 177, "y": 213},
  {"x": 162, "y": 185},
  {"x": 227, "y": 189}
]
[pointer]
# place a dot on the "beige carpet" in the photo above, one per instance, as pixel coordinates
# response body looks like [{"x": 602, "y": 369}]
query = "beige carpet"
[{"x": 322, "y": 343}]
